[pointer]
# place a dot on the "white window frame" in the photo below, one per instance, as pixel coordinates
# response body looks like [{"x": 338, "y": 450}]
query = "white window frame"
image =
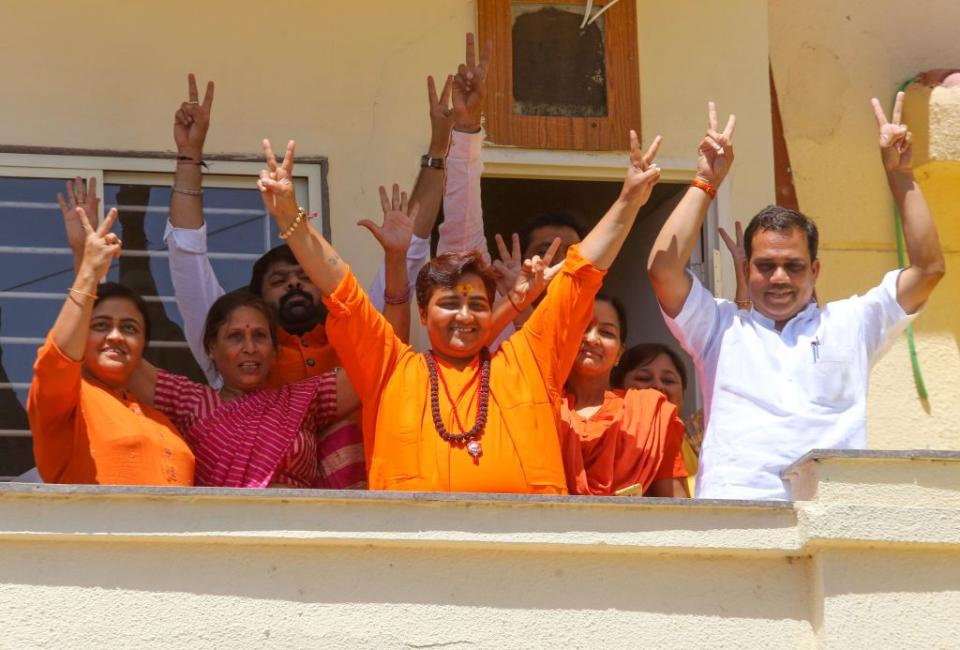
[{"x": 148, "y": 168}]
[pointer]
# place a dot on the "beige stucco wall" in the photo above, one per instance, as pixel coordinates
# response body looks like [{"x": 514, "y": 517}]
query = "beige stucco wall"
[
  {"x": 346, "y": 80},
  {"x": 869, "y": 557},
  {"x": 829, "y": 58}
]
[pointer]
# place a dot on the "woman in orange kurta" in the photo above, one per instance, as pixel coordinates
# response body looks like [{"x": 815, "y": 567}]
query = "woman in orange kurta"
[
  {"x": 457, "y": 418},
  {"x": 617, "y": 440},
  {"x": 87, "y": 426}
]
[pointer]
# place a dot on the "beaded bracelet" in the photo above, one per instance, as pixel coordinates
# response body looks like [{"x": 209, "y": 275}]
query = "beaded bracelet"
[{"x": 301, "y": 217}]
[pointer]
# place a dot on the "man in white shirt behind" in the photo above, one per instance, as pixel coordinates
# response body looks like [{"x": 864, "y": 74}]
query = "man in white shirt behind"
[{"x": 785, "y": 376}]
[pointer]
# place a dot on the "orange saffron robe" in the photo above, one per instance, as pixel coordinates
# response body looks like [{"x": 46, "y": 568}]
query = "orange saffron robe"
[
  {"x": 301, "y": 357},
  {"x": 634, "y": 438},
  {"x": 87, "y": 433},
  {"x": 521, "y": 445}
]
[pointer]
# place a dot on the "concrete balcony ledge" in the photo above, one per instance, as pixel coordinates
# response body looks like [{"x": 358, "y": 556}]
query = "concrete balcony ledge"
[{"x": 868, "y": 555}]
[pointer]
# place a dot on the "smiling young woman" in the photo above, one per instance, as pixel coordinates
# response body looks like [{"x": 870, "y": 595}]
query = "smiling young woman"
[
  {"x": 88, "y": 427},
  {"x": 457, "y": 418},
  {"x": 617, "y": 440}
]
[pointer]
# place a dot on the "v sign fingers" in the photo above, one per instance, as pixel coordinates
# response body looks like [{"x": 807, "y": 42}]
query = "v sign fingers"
[{"x": 552, "y": 251}]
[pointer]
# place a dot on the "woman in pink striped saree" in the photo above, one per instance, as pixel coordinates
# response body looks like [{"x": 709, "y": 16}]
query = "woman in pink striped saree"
[{"x": 295, "y": 436}]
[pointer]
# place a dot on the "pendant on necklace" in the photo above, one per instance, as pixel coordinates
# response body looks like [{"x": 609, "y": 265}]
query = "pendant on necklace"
[{"x": 475, "y": 450}]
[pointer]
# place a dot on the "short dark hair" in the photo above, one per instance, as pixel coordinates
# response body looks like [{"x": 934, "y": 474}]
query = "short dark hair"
[
  {"x": 641, "y": 355},
  {"x": 109, "y": 290},
  {"x": 446, "y": 270},
  {"x": 226, "y": 304},
  {"x": 554, "y": 219},
  {"x": 773, "y": 217},
  {"x": 617, "y": 307},
  {"x": 260, "y": 267}
]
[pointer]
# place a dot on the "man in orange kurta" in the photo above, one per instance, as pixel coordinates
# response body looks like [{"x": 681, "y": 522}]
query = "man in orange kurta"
[{"x": 521, "y": 450}]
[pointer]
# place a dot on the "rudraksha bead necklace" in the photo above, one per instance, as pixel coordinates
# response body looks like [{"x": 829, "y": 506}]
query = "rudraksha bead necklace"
[{"x": 469, "y": 438}]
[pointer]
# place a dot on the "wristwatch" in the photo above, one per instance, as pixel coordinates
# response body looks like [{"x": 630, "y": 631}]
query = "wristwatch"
[{"x": 429, "y": 161}]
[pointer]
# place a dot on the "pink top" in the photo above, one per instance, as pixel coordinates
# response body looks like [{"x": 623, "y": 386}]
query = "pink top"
[{"x": 281, "y": 437}]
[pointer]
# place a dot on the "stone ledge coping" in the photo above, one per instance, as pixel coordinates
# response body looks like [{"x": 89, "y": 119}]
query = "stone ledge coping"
[
  {"x": 817, "y": 455},
  {"x": 376, "y": 496}
]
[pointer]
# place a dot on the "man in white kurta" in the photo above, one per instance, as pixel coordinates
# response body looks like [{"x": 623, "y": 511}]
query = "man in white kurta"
[{"x": 781, "y": 375}]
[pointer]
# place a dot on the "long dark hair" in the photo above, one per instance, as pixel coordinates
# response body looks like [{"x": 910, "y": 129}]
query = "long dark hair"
[{"x": 226, "y": 304}]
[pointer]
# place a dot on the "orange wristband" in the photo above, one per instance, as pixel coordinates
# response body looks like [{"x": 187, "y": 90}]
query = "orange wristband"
[{"x": 705, "y": 186}]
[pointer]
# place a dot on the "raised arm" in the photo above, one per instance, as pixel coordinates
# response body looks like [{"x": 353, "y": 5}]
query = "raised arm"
[
  {"x": 427, "y": 194},
  {"x": 462, "y": 227},
  {"x": 195, "y": 284},
  {"x": 428, "y": 189},
  {"x": 190, "y": 126},
  {"x": 927, "y": 267},
  {"x": 316, "y": 255},
  {"x": 671, "y": 250},
  {"x": 394, "y": 236},
  {"x": 603, "y": 242},
  {"x": 101, "y": 246}
]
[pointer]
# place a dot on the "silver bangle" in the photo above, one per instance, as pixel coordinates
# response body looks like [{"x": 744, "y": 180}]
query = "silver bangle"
[{"x": 188, "y": 192}]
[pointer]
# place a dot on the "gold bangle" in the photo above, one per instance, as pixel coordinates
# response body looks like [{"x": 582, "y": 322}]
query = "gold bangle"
[
  {"x": 301, "y": 217},
  {"x": 188, "y": 191},
  {"x": 82, "y": 293},
  {"x": 744, "y": 304}
]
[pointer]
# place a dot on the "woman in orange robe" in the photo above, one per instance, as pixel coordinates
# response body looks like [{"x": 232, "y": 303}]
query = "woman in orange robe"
[
  {"x": 457, "y": 418},
  {"x": 658, "y": 366},
  {"x": 614, "y": 441},
  {"x": 87, "y": 425}
]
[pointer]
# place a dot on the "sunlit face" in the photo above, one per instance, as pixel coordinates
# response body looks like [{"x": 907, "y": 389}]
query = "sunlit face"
[
  {"x": 115, "y": 341},
  {"x": 660, "y": 374},
  {"x": 600, "y": 348},
  {"x": 542, "y": 237},
  {"x": 458, "y": 320},
  {"x": 296, "y": 299},
  {"x": 780, "y": 275},
  {"x": 243, "y": 350}
]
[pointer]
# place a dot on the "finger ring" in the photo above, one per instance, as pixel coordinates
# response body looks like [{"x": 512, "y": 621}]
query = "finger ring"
[{"x": 194, "y": 102}]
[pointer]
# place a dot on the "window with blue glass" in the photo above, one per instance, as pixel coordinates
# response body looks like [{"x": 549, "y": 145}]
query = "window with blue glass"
[{"x": 36, "y": 269}]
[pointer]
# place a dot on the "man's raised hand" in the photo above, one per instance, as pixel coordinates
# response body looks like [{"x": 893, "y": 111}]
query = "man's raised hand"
[
  {"x": 715, "y": 153},
  {"x": 895, "y": 138},
  {"x": 79, "y": 196},
  {"x": 192, "y": 120},
  {"x": 535, "y": 274},
  {"x": 470, "y": 86},
  {"x": 642, "y": 173},
  {"x": 397, "y": 229},
  {"x": 441, "y": 116}
]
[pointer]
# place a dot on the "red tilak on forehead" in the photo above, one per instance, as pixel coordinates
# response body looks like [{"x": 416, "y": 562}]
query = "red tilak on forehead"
[{"x": 464, "y": 288}]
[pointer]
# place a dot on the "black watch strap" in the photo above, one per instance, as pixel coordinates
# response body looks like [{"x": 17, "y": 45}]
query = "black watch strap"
[{"x": 429, "y": 161}]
